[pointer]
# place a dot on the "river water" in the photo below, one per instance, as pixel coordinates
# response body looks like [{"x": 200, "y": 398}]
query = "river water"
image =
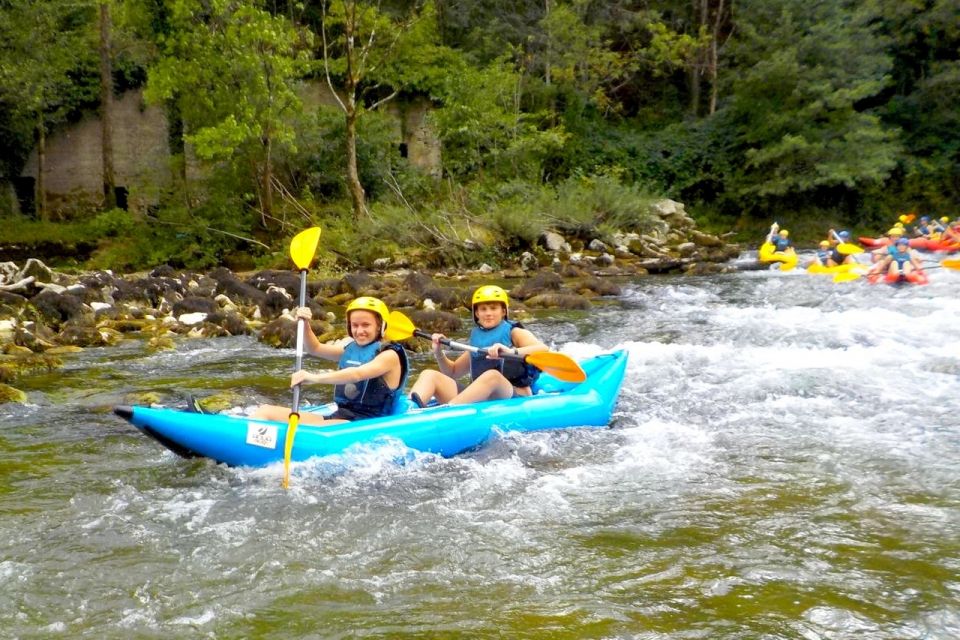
[{"x": 784, "y": 463}]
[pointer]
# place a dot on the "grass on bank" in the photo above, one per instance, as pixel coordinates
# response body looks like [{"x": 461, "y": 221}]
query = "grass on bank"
[{"x": 460, "y": 227}]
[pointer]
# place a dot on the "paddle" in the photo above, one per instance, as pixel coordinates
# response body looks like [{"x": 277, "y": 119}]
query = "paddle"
[
  {"x": 559, "y": 365},
  {"x": 846, "y": 248},
  {"x": 302, "y": 249},
  {"x": 847, "y": 277},
  {"x": 950, "y": 263}
]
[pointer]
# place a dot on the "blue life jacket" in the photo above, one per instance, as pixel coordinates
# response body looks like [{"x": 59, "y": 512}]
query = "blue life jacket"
[
  {"x": 836, "y": 256},
  {"x": 900, "y": 257},
  {"x": 517, "y": 372},
  {"x": 823, "y": 255},
  {"x": 781, "y": 244},
  {"x": 369, "y": 398}
]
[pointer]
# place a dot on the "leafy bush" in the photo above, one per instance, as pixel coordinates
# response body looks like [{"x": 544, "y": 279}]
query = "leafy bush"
[{"x": 593, "y": 206}]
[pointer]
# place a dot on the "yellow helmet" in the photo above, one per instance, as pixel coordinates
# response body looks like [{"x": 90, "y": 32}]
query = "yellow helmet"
[
  {"x": 824, "y": 243},
  {"x": 895, "y": 231},
  {"x": 944, "y": 219},
  {"x": 898, "y": 225},
  {"x": 368, "y": 303},
  {"x": 784, "y": 233},
  {"x": 490, "y": 293}
]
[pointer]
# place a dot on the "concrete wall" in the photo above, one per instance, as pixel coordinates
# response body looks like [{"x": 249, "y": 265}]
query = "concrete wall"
[
  {"x": 141, "y": 152},
  {"x": 73, "y": 174}
]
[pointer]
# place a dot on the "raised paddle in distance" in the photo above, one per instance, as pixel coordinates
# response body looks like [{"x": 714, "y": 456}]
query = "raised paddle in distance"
[
  {"x": 559, "y": 365},
  {"x": 302, "y": 249},
  {"x": 846, "y": 248}
]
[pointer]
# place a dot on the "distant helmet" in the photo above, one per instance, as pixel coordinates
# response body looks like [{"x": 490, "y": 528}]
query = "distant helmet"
[
  {"x": 784, "y": 233},
  {"x": 895, "y": 231},
  {"x": 899, "y": 225},
  {"x": 824, "y": 243},
  {"x": 944, "y": 219},
  {"x": 844, "y": 235},
  {"x": 924, "y": 218},
  {"x": 489, "y": 293},
  {"x": 903, "y": 242},
  {"x": 368, "y": 303},
  {"x": 904, "y": 218}
]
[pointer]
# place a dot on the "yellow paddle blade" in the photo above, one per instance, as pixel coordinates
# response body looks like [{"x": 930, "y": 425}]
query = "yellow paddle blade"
[
  {"x": 787, "y": 265},
  {"x": 849, "y": 249},
  {"x": 846, "y": 277},
  {"x": 559, "y": 365},
  {"x": 288, "y": 447},
  {"x": 951, "y": 264},
  {"x": 399, "y": 327},
  {"x": 766, "y": 252},
  {"x": 304, "y": 246}
]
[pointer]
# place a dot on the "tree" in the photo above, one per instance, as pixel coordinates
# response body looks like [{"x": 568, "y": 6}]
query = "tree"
[
  {"x": 106, "y": 107},
  {"x": 232, "y": 69},
  {"x": 358, "y": 42},
  {"x": 805, "y": 72},
  {"x": 42, "y": 60}
]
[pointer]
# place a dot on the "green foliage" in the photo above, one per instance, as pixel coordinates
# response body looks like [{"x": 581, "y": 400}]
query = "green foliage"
[
  {"x": 112, "y": 223},
  {"x": 231, "y": 69},
  {"x": 596, "y": 205},
  {"x": 484, "y": 132},
  {"x": 559, "y": 114},
  {"x": 807, "y": 70},
  {"x": 46, "y": 72}
]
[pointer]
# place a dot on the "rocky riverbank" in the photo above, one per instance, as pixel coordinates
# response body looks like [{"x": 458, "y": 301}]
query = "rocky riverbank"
[{"x": 45, "y": 314}]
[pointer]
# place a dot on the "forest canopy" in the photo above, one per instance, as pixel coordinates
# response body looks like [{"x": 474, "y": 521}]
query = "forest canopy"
[{"x": 745, "y": 110}]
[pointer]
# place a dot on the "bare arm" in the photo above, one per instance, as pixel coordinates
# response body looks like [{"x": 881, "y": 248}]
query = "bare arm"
[
  {"x": 385, "y": 363},
  {"x": 311, "y": 343},
  {"x": 452, "y": 368},
  {"x": 526, "y": 343}
]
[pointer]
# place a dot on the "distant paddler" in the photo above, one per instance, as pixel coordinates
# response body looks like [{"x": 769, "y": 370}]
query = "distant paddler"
[
  {"x": 900, "y": 260},
  {"x": 777, "y": 247},
  {"x": 894, "y": 234},
  {"x": 841, "y": 249}
]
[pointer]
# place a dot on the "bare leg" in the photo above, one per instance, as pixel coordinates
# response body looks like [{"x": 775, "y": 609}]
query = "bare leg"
[
  {"x": 282, "y": 414},
  {"x": 491, "y": 385},
  {"x": 434, "y": 384}
]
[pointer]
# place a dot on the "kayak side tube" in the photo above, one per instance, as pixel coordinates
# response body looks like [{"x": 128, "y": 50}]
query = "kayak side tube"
[{"x": 444, "y": 430}]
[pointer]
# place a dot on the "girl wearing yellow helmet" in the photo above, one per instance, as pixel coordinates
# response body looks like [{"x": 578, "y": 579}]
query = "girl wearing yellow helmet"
[
  {"x": 492, "y": 377},
  {"x": 371, "y": 372}
]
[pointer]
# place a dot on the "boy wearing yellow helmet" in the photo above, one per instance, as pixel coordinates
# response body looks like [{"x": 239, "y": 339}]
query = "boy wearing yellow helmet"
[
  {"x": 492, "y": 377},
  {"x": 371, "y": 372}
]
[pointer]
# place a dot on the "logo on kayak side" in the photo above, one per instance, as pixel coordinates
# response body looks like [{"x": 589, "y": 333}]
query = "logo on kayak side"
[{"x": 262, "y": 435}]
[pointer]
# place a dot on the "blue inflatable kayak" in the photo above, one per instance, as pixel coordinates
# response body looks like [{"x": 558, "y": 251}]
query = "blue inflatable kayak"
[{"x": 444, "y": 430}]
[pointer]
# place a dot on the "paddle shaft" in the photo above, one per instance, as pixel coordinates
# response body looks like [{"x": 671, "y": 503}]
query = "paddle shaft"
[
  {"x": 460, "y": 346},
  {"x": 301, "y": 330}
]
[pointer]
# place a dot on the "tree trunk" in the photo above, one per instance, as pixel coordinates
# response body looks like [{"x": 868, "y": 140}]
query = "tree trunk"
[
  {"x": 701, "y": 9},
  {"x": 106, "y": 111},
  {"x": 715, "y": 57},
  {"x": 268, "y": 179},
  {"x": 353, "y": 176},
  {"x": 40, "y": 197},
  {"x": 351, "y": 113}
]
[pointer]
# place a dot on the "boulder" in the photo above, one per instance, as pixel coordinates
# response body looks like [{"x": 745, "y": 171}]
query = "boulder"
[
  {"x": 559, "y": 300},
  {"x": 57, "y": 308}
]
